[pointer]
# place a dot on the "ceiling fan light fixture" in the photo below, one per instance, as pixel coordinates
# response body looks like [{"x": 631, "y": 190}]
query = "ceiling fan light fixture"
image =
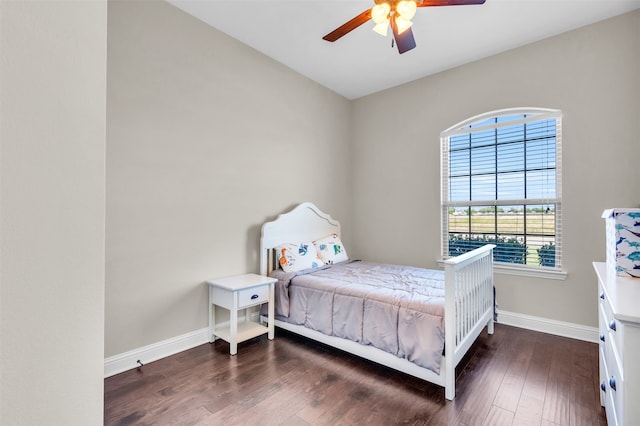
[
  {"x": 403, "y": 24},
  {"x": 380, "y": 13},
  {"x": 394, "y": 13},
  {"x": 382, "y": 28},
  {"x": 406, "y": 9}
]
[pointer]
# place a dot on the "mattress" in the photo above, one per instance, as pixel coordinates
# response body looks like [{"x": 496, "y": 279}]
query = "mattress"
[{"x": 397, "y": 309}]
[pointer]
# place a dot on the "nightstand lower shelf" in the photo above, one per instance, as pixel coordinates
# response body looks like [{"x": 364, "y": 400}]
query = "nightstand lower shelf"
[{"x": 246, "y": 331}]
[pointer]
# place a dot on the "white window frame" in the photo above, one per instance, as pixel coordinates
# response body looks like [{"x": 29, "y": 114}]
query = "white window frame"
[{"x": 464, "y": 127}]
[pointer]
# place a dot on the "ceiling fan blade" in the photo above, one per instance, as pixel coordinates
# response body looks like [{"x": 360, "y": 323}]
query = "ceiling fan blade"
[
  {"x": 404, "y": 41},
  {"x": 348, "y": 26},
  {"x": 428, "y": 3}
]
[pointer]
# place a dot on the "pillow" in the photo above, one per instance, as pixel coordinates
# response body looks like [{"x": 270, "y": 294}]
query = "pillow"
[
  {"x": 331, "y": 249},
  {"x": 297, "y": 257}
]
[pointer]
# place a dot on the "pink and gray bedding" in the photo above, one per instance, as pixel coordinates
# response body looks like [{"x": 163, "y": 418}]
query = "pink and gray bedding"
[{"x": 397, "y": 309}]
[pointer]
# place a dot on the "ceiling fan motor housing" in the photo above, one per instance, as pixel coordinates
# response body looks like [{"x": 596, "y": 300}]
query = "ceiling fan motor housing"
[{"x": 393, "y": 3}]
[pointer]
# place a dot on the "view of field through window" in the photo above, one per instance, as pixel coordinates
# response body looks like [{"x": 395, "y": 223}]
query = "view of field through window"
[{"x": 523, "y": 235}]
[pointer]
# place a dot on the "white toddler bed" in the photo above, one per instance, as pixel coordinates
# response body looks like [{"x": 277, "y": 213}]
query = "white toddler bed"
[{"x": 468, "y": 296}]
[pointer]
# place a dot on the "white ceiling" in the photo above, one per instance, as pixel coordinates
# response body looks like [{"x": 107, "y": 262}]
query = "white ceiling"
[{"x": 363, "y": 62}]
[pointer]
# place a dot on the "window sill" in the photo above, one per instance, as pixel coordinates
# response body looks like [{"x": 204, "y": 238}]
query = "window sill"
[{"x": 524, "y": 271}]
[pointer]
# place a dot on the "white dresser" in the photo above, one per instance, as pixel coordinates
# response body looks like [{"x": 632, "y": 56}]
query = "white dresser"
[{"x": 619, "y": 324}]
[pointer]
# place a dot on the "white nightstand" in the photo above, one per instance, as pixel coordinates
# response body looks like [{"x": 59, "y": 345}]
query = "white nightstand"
[{"x": 235, "y": 293}]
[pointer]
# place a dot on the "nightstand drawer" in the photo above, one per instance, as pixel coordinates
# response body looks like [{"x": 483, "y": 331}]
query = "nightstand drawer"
[{"x": 253, "y": 296}]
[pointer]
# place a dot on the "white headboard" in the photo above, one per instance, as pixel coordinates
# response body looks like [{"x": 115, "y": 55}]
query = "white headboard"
[{"x": 306, "y": 222}]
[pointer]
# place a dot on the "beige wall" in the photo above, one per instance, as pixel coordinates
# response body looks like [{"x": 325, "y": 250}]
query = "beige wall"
[
  {"x": 591, "y": 74},
  {"x": 207, "y": 139},
  {"x": 52, "y": 154}
]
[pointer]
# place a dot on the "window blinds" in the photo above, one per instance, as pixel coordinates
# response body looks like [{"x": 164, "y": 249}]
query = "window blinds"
[{"x": 501, "y": 183}]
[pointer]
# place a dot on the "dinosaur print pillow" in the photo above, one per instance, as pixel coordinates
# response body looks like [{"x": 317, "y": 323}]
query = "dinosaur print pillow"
[
  {"x": 298, "y": 257},
  {"x": 331, "y": 250}
]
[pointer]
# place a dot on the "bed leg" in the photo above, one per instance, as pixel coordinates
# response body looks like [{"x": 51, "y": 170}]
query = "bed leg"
[
  {"x": 490, "y": 326},
  {"x": 450, "y": 376},
  {"x": 450, "y": 391}
]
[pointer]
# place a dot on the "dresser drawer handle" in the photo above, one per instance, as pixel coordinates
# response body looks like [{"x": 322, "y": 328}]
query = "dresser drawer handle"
[
  {"x": 612, "y": 383},
  {"x": 602, "y": 337},
  {"x": 602, "y": 295},
  {"x": 254, "y": 297},
  {"x": 612, "y": 325},
  {"x": 603, "y": 387}
]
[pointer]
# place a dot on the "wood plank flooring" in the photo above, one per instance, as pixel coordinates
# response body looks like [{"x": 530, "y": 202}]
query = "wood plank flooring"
[{"x": 514, "y": 377}]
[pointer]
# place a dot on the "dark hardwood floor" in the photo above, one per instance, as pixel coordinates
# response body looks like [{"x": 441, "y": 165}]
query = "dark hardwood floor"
[{"x": 514, "y": 377}]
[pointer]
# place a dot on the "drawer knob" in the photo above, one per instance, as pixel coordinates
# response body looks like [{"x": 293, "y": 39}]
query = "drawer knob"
[
  {"x": 602, "y": 337},
  {"x": 603, "y": 387},
  {"x": 254, "y": 297},
  {"x": 612, "y": 383},
  {"x": 602, "y": 295},
  {"x": 612, "y": 325}
]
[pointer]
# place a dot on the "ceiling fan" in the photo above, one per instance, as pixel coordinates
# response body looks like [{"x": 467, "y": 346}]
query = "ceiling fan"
[{"x": 394, "y": 13}]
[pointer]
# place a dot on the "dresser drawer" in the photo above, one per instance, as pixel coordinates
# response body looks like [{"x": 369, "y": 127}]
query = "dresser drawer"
[
  {"x": 609, "y": 407},
  {"x": 611, "y": 328},
  {"x": 611, "y": 357},
  {"x": 607, "y": 394},
  {"x": 614, "y": 383},
  {"x": 253, "y": 296},
  {"x": 603, "y": 375}
]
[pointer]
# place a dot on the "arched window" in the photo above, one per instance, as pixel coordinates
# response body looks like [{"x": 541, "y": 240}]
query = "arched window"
[{"x": 501, "y": 183}]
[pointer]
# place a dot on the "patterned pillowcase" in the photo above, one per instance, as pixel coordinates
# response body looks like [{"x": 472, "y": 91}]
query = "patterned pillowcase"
[
  {"x": 298, "y": 257},
  {"x": 331, "y": 249}
]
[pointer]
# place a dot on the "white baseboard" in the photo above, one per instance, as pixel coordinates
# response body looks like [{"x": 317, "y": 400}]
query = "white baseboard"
[
  {"x": 155, "y": 351},
  {"x": 558, "y": 328},
  {"x": 129, "y": 360}
]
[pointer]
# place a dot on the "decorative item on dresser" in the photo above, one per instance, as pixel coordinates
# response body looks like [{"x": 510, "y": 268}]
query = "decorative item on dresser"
[
  {"x": 418, "y": 321},
  {"x": 623, "y": 241},
  {"x": 619, "y": 323}
]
